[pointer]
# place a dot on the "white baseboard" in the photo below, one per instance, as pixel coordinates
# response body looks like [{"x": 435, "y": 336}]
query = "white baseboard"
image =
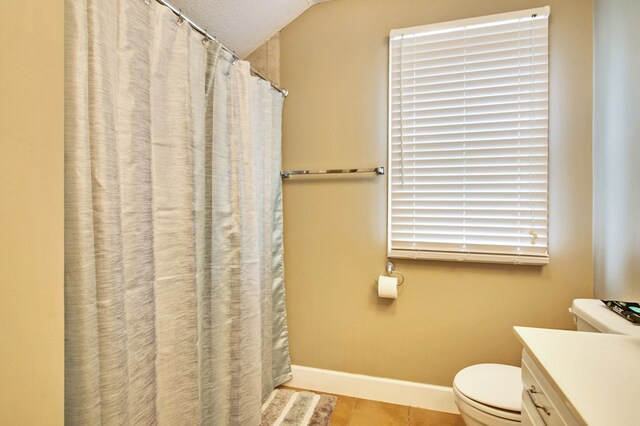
[{"x": 421, "y": 395}]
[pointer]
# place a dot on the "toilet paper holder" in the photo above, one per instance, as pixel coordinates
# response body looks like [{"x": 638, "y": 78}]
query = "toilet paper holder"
[{"x": 391, "y": 269}]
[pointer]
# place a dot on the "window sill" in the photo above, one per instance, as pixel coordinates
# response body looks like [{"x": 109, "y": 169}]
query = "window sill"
[{"x": 469, "y": 257}]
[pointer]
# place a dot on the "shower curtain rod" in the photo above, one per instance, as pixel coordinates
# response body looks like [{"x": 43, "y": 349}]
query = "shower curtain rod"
[{"x": 196, "y": 27}]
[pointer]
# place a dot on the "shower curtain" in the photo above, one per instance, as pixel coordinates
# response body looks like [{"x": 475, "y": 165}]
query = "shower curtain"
[{"x": 174, "y": 288}]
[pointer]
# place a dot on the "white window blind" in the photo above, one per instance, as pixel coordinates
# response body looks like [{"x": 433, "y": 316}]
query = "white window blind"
[{"x": 468, "y": 139}]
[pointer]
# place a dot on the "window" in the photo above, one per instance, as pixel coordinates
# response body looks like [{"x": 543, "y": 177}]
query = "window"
[{"x": 468, "y": 139}]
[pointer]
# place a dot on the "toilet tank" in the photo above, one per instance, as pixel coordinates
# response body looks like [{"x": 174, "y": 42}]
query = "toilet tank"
[{"x": 593, "y": 315}]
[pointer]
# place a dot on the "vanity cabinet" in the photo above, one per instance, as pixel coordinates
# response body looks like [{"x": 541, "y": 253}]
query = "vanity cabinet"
[{"x": 579, "y": 378}]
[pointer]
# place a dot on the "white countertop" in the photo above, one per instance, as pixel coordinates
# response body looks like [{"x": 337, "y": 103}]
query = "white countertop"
[{"x": 598, "y": 375}]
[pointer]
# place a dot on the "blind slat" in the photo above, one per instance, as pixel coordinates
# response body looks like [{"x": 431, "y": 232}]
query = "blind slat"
[
  {"x": 470, "y": 54},
  {"x": 478, "y": 60},
  {"x": 471, "y": 40},
  {"x": 427, "y": 34},
  {"x": 494, "y": 64},
  {"x": 417, "y": 140}
]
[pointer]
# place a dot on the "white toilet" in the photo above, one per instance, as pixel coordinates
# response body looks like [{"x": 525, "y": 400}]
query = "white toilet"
[{"x": 491, "y": 394}]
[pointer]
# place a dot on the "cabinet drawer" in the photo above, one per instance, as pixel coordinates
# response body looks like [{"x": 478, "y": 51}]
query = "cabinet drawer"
[{"x": 540, "y": 396}]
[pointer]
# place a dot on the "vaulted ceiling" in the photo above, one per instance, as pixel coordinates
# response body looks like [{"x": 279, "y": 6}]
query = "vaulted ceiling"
[{"x": 243, "y": 25}]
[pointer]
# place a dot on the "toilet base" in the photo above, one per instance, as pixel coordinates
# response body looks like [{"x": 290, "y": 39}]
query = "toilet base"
[{"x": 474, "y": 417}]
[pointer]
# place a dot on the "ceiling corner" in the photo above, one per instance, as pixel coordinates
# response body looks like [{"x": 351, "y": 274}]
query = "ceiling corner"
[{"x": 243, "y": 25}]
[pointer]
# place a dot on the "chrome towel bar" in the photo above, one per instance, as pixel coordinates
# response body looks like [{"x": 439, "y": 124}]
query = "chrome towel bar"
[{"x": 287, "y": 173}]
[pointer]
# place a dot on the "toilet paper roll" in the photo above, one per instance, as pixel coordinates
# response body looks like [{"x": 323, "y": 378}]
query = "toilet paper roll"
[{"x": 387, "y": 287}]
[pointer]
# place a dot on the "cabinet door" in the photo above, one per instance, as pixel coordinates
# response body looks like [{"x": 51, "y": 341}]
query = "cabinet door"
[
  {"x": 530, "y": 416},
  {"x": 541, "y": 398}
]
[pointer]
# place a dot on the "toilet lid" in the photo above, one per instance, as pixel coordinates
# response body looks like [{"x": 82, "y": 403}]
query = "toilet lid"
[{"x": 495, "y": 385}]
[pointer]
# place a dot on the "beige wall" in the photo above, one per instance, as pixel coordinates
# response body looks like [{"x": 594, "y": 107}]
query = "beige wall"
[
  {"x": 266, "y": 59},
  {"x": 448, "y": 315},
  {"x": 617, "y": 151},
  {"x": 31, "y": 213}
]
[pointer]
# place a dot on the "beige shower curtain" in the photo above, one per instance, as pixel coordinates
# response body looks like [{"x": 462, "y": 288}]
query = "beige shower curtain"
[{"x": 174, "y": 291}]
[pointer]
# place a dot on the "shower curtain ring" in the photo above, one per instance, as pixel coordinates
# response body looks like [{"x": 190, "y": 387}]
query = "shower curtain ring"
[
  {"x": 206, "y": 38},
  {"x": 180, "y": 17}
]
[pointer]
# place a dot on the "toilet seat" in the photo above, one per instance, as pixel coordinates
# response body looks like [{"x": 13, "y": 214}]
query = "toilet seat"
[
  {"x": 494, "y": 389},
  {"x": 513, "y": 416}
]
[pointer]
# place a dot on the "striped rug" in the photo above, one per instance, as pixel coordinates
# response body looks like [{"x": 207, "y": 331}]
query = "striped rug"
[{"x": 291, "y": 408}]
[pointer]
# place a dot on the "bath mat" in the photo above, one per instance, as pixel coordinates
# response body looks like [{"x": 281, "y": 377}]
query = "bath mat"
[{"x": 291, "y": 408}]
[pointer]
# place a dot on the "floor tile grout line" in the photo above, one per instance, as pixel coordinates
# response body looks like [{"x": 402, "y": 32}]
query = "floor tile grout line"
[{"x": 353, "y": 408}]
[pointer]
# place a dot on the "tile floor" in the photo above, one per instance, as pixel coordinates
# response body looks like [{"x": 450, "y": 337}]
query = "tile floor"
[{"x": 351, "y": 411}]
